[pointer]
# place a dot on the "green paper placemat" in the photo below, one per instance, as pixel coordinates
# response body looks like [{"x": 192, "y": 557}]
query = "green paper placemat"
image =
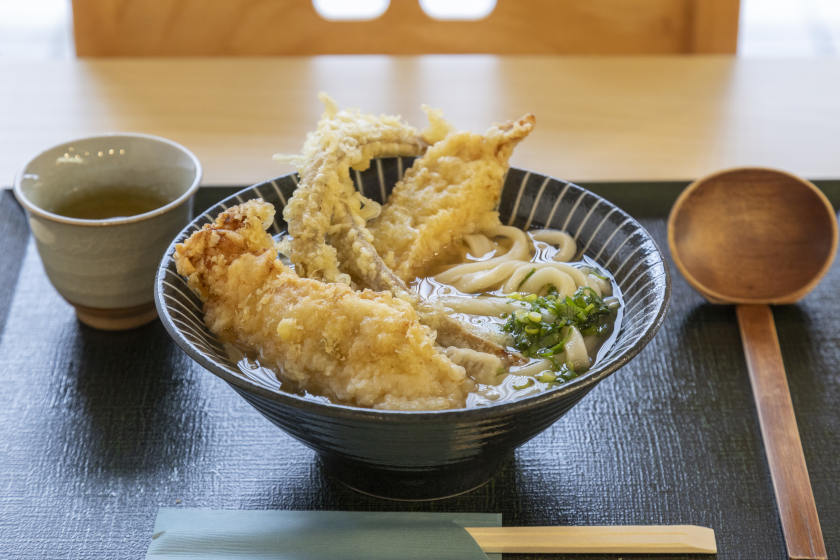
[{"x": 183, "y": 534}]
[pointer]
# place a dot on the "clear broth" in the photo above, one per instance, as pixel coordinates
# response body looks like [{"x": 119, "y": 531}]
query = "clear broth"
[{"x": 513, "y": 386}]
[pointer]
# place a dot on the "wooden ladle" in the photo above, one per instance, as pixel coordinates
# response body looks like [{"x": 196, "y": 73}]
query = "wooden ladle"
[{"x": 754, "y": 237}]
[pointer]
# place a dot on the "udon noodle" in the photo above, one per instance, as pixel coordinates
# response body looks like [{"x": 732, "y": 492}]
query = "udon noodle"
[{"x": 505, "y": 281}]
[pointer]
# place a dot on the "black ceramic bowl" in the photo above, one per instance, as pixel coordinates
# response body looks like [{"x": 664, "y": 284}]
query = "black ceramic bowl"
[{"x": 423, "y": 455}]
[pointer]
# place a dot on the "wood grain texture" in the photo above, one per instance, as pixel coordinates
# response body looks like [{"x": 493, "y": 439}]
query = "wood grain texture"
[
  {"x": 616, "y": 539},
  {"x": 791, "y": 483},
  {"x": 101, "y": 429},
  {"x": 714, "y": 26},
  {"x": 598, "y": 119},
  {"x": 284, "y": 27},
  {"x": 729, "y": 231}
]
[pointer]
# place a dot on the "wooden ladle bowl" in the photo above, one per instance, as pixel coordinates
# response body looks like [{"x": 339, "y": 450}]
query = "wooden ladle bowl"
[
  {"x": 752, "y": 235},
  {"x": 755, "y": 237}
]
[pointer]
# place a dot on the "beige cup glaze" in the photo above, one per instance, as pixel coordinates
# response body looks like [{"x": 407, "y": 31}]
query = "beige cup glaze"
[{"x": 106, "y": 268}]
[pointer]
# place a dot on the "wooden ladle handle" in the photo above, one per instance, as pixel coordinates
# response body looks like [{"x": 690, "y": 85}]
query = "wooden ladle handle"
[{"x": 794, "y": 497}]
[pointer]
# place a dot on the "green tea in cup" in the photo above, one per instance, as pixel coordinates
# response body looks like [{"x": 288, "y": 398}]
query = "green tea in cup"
[
  {"x": 115, "y": 202},
  {"x": 102, "y": 211}
]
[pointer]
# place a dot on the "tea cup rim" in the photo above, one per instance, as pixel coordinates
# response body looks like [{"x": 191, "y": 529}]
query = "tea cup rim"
[{"x": 122, "y": 220}]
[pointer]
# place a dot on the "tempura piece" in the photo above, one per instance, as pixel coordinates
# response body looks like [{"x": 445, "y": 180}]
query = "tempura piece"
[
  {"x": 364, "y": 348},
  {"x": 448, "y": 193},
  {"x": 325, "y": 203},
  {"x": 326, "y": 217}
]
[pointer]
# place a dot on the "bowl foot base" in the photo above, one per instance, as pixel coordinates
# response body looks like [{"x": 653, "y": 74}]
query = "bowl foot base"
[
  {"x": 116, "y": 319},
  {"x": 435, "y": 483}
]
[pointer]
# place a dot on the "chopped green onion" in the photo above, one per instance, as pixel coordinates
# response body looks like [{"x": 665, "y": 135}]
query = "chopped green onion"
[
  {"x": 524, "y": 385},
  {"x": 530, "y": 273},
  {"x": 541, "y": 330}
]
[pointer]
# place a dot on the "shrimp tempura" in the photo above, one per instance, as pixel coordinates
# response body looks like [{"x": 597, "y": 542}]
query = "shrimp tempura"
[
  {"x": 449, "y": 192},
  {"x": 325, "y": 202},
  {"x": 360, "y": 348}
]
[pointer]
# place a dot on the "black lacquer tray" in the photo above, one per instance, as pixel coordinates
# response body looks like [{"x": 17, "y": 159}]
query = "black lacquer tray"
[{"x": 101, "y": 429}]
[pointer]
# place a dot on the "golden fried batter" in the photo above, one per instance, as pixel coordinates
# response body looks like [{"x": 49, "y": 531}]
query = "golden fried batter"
[
  {"x": 360, "y": 348},
  {"x": 325, "y": 203},
  {"x": 450, "y": 192}
]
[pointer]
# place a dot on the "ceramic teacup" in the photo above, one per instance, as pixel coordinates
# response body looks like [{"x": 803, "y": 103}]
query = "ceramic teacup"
[{"x": 102, "y": 211}]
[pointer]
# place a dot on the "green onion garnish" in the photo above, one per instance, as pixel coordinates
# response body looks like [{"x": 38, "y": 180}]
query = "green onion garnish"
[
  {"x": 530, "y": 273},
  {"x": 541, "y": 329}
]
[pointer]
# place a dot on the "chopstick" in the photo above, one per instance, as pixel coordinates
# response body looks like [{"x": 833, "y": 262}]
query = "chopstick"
[{"x": 629, "y": 539}]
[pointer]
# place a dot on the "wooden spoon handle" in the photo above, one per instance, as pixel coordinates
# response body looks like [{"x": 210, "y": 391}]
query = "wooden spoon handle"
[
  {"x": 794, "y": 497},
  {"x": 631, "y": 539}
]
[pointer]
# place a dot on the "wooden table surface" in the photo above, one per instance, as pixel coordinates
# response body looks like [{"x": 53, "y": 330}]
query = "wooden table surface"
[{"x": 599, "y": 118}]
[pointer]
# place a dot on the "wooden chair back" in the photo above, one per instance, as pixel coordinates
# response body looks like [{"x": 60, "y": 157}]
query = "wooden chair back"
[{"x": 293, "y": 27}]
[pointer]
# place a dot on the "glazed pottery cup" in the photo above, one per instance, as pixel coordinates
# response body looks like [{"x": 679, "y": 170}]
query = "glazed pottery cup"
[{"x": 105, "y": 267}]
